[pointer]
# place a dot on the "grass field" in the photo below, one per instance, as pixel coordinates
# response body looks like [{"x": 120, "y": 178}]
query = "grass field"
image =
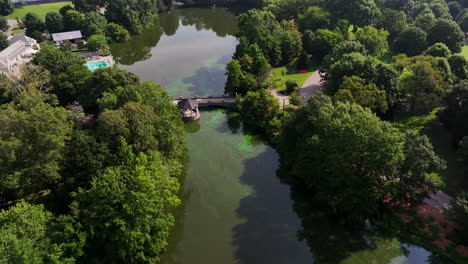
[
  {"x": 441, "y": 141},
  {"x": 465, "y": 51},
  {"x": 41, "y": 9},
  {"x": 289, "y": 72}
]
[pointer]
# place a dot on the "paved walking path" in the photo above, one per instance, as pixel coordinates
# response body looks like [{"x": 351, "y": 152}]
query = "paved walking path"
[{"x": 311, "y": 85}]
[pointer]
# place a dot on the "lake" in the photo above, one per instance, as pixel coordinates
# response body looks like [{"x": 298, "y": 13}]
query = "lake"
[{"x": 236, "y": 209}]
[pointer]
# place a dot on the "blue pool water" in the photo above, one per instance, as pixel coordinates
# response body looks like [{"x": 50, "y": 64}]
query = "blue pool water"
[{"x": 92, "y": 66}]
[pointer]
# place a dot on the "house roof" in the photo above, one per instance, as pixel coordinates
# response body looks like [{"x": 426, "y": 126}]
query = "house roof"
[
  {"x": 25, "y": 39},
  {"x": 12, "y": 49},
  {"x": 67, "y": 35},
  {"x": 187, "y": 104}
]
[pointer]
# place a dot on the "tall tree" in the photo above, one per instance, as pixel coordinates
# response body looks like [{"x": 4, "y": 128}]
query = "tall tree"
[
  {"x": 375, "y": 40},
  {"x": 358, "y": 12},
  {"x": 54, "y": 22},
  {"x": 32, "y": 138},
  {"x": 6, "y": 7},
  {"x": 126, "y": 211},
  {"x": 448, "y": 32},
  {"x": 411, "y": 41}
]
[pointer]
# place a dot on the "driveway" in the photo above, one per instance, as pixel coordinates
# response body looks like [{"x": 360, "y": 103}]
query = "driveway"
[{"x": 311, "y": 85}]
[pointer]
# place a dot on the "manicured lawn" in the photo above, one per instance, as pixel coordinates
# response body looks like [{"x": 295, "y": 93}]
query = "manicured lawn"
[
  {"x": 289, "y": 72},
  {"x": 41, "y": 9},
  {"x": 440, "y": 138},
  {"x": 465, "y": 51}
]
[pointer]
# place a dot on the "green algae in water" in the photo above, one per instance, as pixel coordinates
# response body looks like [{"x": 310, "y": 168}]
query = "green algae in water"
[{"x": 216, "y": 119}]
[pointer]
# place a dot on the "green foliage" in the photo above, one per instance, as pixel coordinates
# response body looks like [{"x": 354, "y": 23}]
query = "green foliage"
[
  {"x": 291, "y": 86},
  {"x": 4, "y": 24},
  {"x": 28, "y": 234},
  {"x": 394, "y": 21},
  {"x": 117, "y": 33},
  {"x": 30, "y": 149},
  {"x": 6, "y": 7},
  {"x": 425, "y": 20},
  {"x": 68, "y": 84},
  {"x": 438, "y": 50},
  {"x": 73, "y": 20},
  {"x": 459, "y": 212},
  {"x": 459, "y": 66},
  {"x": 260, "y": 113},
  {"x": 424, "y": 83},
  {"x": 94, "y": 24},
  {"x": 369, "y": 69},
  {"x": 33, "y": 23},
  {"x": 355, "y": 90},
  {"x": 126, "y": 211},
  {"x": 105, "y": 80},
  {"x": 358, "y": 12},
  {"x": 411, "y": 41},
  {"x": 340, "y": 50},
  {"x": 96, "y": 42},
  {"x": 3, "y": 41},
  {"x": 334, "y": 146},
  {"x": 455, "y": 113},
  {"x": 324, "y": 42},
  {"x": 238, "y": 81},
  {"x": 56, "y": 60},
  {"x": 448, "y": 32},
  {"x": 54, "y": 22},
  {"x": 375, "y": 40},
  {"x": 314, "y": 18},
  {"x": 279, "y": 42},
  {"x": 285, "y": 9},
  {"x": 64, "y": 9}
]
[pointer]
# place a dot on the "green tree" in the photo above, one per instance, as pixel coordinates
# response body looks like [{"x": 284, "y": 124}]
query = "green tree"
[
  {"x": 375, "y": 40},
  {"x": 314, "y": 18},
  {"x": 3, "y": 41},
  {"x": 291, "y": 41},
  {"x": 6, "y": 7},
  {"x": 73, "y": 20},
  {"x": 459, "y": 66},
  {"x": 31, "y": 142},
  {"x": 56, "y": 60},
  {"x": 63, "y": 10},
  {"x": 438, "y": 50},
  {"x": 411, "y": 41},
  {"x": 117, "y": 33},
  {"x": 355, "y": 90},
  {"x": 454, "y": 8},
  {"x": 455, "y": 113},
  {"x": 285, "y": 9},
  {"x": 30, "y": 234},
  {"x": 4, "y": 24},
  {"x": 341, "y": 49},
  {"x": 394, "y": 21},
  {"x": 324, "y": 42},
  {"x": 96, "y": 42},
  {"x": 463, "y": 22},
  {"x": 423, "y": 82},
  {"x": 369, "y": 69},
  {"x": 126, "y": 211},
  {"x": 358, "y": 12},
  {"x": 425, "y": 20},
  {"x": 94, "y": 24},
  {"x": 33, "y": 23},
  {"x": 69, "y": 84},
  {"x": 54, "y": 22},
  {"x": 341, "y": 145},
  {"x": 238, "y": 81},
  {"x": 448, "y": 32},
  {"x": 260, "y": 113}
]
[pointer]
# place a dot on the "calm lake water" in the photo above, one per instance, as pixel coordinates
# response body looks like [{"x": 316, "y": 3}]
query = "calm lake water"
[{"x": 235, "y": 207}]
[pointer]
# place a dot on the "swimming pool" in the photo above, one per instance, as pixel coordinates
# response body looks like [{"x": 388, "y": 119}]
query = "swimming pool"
[{"x": 92, "y": 66}]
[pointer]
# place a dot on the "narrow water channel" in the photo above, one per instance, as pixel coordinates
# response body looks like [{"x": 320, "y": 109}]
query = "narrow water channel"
[{"x": 235, "y": 208}]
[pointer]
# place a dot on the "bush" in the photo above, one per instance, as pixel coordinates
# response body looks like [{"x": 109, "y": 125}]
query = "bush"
[{"x": 291, "y": 86}]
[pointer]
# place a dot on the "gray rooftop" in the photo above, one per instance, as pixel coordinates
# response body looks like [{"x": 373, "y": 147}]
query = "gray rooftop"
[
  {"x": 187, "y": 104},
  {"x": 67, "y": 35}
]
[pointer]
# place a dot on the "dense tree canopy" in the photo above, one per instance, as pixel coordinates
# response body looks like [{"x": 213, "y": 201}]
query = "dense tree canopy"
[{"x": 448, "y": 32}]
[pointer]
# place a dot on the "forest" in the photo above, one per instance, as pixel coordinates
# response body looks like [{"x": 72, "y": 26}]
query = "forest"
[{"x": 91, "y": 163}]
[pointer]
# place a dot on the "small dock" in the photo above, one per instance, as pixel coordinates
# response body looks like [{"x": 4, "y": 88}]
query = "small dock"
[{"x": 189, "y": 107}]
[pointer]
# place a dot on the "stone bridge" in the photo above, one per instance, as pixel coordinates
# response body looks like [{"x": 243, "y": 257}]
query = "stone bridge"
[{"x": 209, "y": 101}]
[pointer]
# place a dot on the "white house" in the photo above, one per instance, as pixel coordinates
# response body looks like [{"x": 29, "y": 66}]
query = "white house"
[
  {"x": 20, "y": 51},
  {"x": 68, "y": 36}
]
